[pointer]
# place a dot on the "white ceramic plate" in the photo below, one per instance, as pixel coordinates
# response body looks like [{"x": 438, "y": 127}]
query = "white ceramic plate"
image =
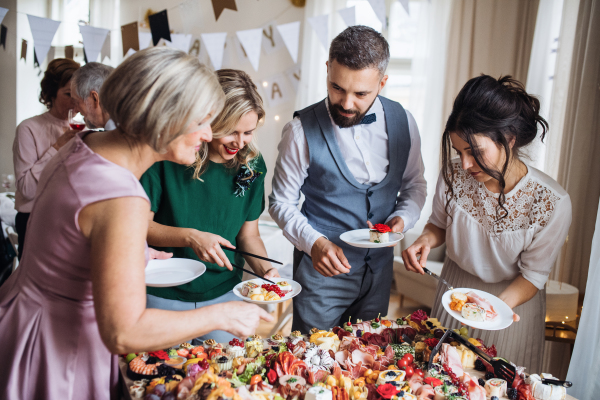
[
  {"x": 502, "y": 321},
  {"x": 296, "y": 288},
  {"x": 360, "y": 238},
  {"x": 173, "y": 272}
]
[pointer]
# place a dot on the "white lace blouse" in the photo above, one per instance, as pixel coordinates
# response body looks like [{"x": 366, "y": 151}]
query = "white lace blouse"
[{"x": 526, "y": 241}]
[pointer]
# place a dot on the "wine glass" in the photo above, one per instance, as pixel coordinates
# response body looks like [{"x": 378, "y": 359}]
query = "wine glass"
[
  {"x": 7, "y": 181},
  {"x": 76, "y": 121}
]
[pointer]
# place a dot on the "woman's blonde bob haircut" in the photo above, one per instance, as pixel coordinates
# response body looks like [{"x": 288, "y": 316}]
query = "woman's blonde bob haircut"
[
  {"x": 241, "y": 97},
  {"x": 155, "y": 94}
]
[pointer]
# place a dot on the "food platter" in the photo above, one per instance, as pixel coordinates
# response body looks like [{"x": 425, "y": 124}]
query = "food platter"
[
  {"x": 173, "y": 272},
  {"x": 360, "y": 238},
  {"x": 296, "y": 288},
  {"x": 502, "y": 321}
]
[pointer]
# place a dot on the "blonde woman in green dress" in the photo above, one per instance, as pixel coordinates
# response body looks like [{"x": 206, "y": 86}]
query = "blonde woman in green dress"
[{"x": 215, "y": 202}]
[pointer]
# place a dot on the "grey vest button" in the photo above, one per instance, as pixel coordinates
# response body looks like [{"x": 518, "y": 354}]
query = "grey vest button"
[
  {"x": 370, "y": 215},
  {"x": 369, "y": 193},
  {"x": 367, "y": 258}
]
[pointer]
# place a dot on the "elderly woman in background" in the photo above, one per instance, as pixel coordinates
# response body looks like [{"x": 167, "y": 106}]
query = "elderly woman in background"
[
  {"x": 216, "y": 202},
  {"x": 85, "y": 91},
  {"x": 82, "y": 295},
  {"x": 39, "y": 138}
]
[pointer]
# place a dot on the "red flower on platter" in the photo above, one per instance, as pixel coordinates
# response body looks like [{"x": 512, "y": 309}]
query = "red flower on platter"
[
  {"x": 419, "y": 316},
  {"x": 160, "y": 354},
  {"x": 434, "y": 382},
  {"x": 387, "y": 390},
  {"x": 381, "y": 228},
  {"x": 432, "y": 342}
]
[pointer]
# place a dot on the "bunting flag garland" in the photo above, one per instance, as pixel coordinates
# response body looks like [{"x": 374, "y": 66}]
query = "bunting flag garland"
[
  {"x": 272, "y": 41},
  {"x": 320, "y": 25},
  {"x": 294, "y": 76},
  {"x": 159, "y": 26},
  {"x": 348, "y": 15},
  {"x": 3, "y": 12},
  {"x": 379, "y": 7},
  {"x": 144, "y": 38},
  {"x": 105, "y": 52},
  {"x": 290, "y": 33},
  {"x": 23, "y": 50},
  {"x": 277, "y": 91},
  {"x": 43, "y": 31},
  {"x": 214, "y": 43},
  {"x": 180, "y": 41},
  {"x": 220, "y": 5},
  {"x": 93, "y": 41},
  {"x": 130, "y": 37},
  {"x": 250, "y": 40},
  {"x": 129, "y": 52},
  {"x": 3, "y": 32},
  {"x": 405, "y": 5}
]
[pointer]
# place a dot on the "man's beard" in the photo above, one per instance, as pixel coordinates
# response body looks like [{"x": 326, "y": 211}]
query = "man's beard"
[
  {"x": 89, "y": 124},
  {"x": 346, "y": 122}
]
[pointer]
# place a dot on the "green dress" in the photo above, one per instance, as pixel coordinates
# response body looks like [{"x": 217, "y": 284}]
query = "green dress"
[{"x": 209, "y": 205}]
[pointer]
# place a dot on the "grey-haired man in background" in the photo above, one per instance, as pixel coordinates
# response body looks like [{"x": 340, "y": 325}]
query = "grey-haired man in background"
[
  {"x": 356, "y": 157},
  {"x": 85, "y": 91}
]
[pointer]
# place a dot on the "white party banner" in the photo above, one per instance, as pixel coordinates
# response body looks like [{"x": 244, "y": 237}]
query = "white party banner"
[
  {"x": 129, "y": 53},
  {"x": 290, "y": 33},
  {"x": 43, "y": 31},
  {"x": 320, "y": 25},
  {"x": 251, "y": 39},
  {"x": 405, "y": 5},
  {"x": 272, "y": 40},
  {"x": 105, "y": 52},
  {"x": 3, "y": 12},
  {"x": 214, "y": 43},
  {"x": 348, "y": 15},
  {"x": 379, "y": 7},
  {"x": 180, "y": 41},
  {"x": 277, "y": 90},
  {"x": 145, "y": 39},
  {"x": 93, "y": 40},
  {"x": 294, "y": 76}
]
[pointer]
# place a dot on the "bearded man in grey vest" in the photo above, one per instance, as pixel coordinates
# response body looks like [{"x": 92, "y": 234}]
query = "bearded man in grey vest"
[{"x": 356, "y": 157}]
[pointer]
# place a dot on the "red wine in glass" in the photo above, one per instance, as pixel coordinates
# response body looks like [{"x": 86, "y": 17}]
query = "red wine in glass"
[
  {"x": 76, "y": 121},
  {"x": 77, "y": 126}
]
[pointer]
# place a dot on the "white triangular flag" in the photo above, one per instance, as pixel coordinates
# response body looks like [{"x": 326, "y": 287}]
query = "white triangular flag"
[
  {"x": 145, "y": 38},
  {"x": 405, "y": 5},
  {"x": 93, "y": 40},
  {"x": 348, "y": 15},
  {"x": 215, "y": 46},
  {"x": 105, "y": 52},
  {"x": 129, "y": 52},
  {"x": 379, "y": 7},
  {"x": 320, "y": 25},
  {"x": 291, "y": 37},
  {"x": 251, "y": 39},
  {"x": 3, "y": 12},
  {"x": 42, "y": 30},
  {"x": 181, "y": 41}
]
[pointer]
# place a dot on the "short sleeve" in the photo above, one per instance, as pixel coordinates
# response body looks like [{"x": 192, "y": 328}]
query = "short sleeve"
[
  {"x": 257, "y": 192},
  {"x": 537, "y": 260},
  {"x": 439, "y": 217},
  {"x": 152, "y": 183}
]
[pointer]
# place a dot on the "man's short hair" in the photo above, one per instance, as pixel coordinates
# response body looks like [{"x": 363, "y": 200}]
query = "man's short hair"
[
  {"x": 90, "y": 78},
  {"x": 359, "y": 47}
]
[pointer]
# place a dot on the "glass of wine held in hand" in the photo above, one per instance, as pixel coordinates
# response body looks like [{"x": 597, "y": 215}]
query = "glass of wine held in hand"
[{"x": 76, "y": 121}]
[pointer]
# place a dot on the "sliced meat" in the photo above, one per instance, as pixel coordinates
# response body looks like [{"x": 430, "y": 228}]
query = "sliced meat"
[
  {"x": 365, "y": 358},
  {"x": 449, "y": 356},
  {"x": 426, "y": 392},
  {"x": 483, "y": 303},
  {"x": 415, "y": 382},
  {"x": 341, "y": 357}
]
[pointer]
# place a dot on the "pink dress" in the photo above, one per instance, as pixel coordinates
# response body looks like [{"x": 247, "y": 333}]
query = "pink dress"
[{"x": 50, "y": 345}]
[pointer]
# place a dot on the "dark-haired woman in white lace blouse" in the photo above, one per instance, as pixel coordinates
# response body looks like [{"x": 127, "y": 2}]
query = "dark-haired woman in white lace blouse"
[{"x": 503, "y": 221}]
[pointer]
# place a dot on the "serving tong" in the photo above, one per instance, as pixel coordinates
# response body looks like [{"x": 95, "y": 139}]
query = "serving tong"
[{"x": 439, "y": 278}]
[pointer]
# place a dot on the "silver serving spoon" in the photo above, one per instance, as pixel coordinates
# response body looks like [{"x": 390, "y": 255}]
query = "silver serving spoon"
[{"x": 436, "y": 276}]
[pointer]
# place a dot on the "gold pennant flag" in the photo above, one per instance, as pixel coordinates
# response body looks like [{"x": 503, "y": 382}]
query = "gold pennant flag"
[
  {"x": 23, "y": 49},
  {"x": 220, "y": 5},
  {"x": 129, "y": 35},
  {"x": 69, "y": 52}
]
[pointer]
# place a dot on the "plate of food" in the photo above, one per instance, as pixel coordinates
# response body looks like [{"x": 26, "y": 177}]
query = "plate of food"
[
  {"x": 173, "y": 272},
  {"x": 380, "y": 235},
  {"x": 478, "y": 309},
  {"x": 259, "y": 291}
]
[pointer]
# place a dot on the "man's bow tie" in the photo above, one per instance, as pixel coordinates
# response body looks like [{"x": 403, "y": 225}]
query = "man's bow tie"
[{"x": 369, "y": 119}]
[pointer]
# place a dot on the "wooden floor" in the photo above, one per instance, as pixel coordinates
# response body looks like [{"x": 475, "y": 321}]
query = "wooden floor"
[{"x": 394, "y": 311}]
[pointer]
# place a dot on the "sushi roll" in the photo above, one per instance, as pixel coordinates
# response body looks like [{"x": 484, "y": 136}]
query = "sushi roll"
[
  {"x": 495, "y": 387},
  {"x": 473, "y": 312},
  {"x": 379, "y": 237},
  {"x": 442, "y": 392},
  {"x": 390, "y": 376},
  {"x": 247, "y": 287}
]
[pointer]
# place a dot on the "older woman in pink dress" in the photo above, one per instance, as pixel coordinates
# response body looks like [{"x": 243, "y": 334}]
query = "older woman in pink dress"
[{"x": 79, "y": 296}]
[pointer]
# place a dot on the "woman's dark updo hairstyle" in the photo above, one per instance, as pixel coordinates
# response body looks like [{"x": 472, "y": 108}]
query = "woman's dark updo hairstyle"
[
  {"x": 57, "y": 75},
  {"x": 500, "y": 110}
]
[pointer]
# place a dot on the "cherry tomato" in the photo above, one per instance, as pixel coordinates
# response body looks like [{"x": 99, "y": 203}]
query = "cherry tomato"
[
  {"x": 419, "y": 372},
  {"x": 409, "y": 371},
  {"x": 255, "y": 379},
  {"x": 408, "y": 357},
  {"x": 403, "y": 363}
]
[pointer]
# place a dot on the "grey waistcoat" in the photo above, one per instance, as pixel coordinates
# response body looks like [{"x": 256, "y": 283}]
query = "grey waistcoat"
[{"x": 335, "y": 202}]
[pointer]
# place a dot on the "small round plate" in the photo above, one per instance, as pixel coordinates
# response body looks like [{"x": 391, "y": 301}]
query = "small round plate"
[
  {"x": 296, "y": 288},
  {"x": 360, "y": 238},
  {"x": 173, "y": 272},
  {"x": 502, "y": 321}
]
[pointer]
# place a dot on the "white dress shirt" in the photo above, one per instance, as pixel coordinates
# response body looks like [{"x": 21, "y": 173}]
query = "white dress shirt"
[{"x": 365, "y": 151}]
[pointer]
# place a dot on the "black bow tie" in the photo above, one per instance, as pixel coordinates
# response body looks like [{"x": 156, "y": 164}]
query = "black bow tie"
[{"x": 369, "y": 119}]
